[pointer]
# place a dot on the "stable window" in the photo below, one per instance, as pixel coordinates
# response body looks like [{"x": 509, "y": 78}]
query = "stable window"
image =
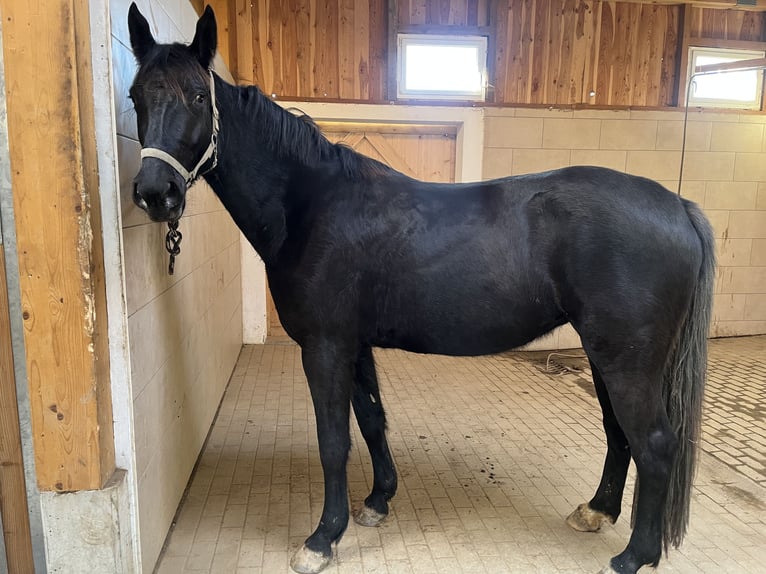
[
  {"x": 441, "y": 67},
  {"x": 725, "y": 90}
]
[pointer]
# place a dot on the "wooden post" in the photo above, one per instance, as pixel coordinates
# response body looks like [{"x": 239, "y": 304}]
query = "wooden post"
[
  {"x": 13, "y": 493},
  {"x": 54, "y": 180}
]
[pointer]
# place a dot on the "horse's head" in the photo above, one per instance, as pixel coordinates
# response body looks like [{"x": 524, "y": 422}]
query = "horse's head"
[{"x": 173, "y": 94}]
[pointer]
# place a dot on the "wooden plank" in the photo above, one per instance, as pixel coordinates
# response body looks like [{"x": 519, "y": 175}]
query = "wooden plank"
[
  {"x": 686, "y": 25},
  {"x": 394, "y": 15},
  {"x": 605, "y": 70},
  {"x": 669, "y": 73},
  {"x": 289, "y": 47},
  {"x": 13, "y": 495},
  {"x": 349, "y": 127},
  {"x": 499, "y": 23},
  {"x": 249, "y": 62},
  {"x": 345, "y": 48},
  {"x": 221, "y": 10},
  {"x": 55, "y": 193},
  {"x": 303, "y": 53},
  {"x": 361, "y": 60},
  {"x": 378, "y": 53}
]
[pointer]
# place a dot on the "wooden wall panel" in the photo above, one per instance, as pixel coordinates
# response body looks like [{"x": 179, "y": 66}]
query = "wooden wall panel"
[
  {"x": 443, "y": 12},
  {"x": 558, "y": 52},
  {"x": 332, "y": 49},
  {"x": 727, "y": 24},
  {"x": 541, "y": 52}
]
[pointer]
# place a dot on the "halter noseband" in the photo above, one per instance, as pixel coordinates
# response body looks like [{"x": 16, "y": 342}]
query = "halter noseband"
[{"x": 211, "y": 151}]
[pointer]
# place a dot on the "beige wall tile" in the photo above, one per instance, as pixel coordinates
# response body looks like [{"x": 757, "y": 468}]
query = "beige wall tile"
[
  {"x": 535, "y": 160},
  {"x": 736, "y": 137},
  {"x": 761, "y": 201},
  {"x": 750, "y": 167},
  {"x": 758, "y": 253},
  {"x": 747, "y": 224},
  {"x": 730, "y": 195},
  {"x": 602, "y": 114},
  {"x": 514, "y": 132},
  {"x": 498, "y": 162},
  {"x": 719, "y": 219},
  {"x": 738, "y": 328},
  {"x": 614, "y": 159},
  {"x": 571, "y": 133},
  {"x": 743, "y": 280},
  {"x": 709, "y": 166},
  {"x": 628, "y": 134},
  {"x": 128, "y": 160},
  {"x": 499, "y": 112},
  {"x": 752, "y": 117},
  {"x": 691, "y": 190},
  {"x": 660, "y": 165},
  {"x": 668, "y": 116},
  {"x": 543, "y": 113},
  {"x": 733, "y": 252},
  {"x": 717, "y": 116},
  {"x": 755, "y": 307},
  {"x": 568, "y": 337},
  {"x": 670, "y": 136},
  {"x": 728, "y": 307}
]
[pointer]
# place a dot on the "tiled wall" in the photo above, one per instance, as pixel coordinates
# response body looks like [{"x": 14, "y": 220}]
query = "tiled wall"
[
  {"x": 724, "y": 171},
  {"x": 185, "y": 331}
]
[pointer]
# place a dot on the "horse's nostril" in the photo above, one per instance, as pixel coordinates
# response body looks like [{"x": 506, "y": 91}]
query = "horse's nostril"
[
  {"x": 173, "y": 197},
  {"x": 137, "y": 198}
]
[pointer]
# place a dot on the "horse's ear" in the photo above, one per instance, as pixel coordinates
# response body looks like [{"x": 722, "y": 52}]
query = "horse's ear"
[
  {"x": 140, "y": 35},
  {"x": 205, "y": 38}
]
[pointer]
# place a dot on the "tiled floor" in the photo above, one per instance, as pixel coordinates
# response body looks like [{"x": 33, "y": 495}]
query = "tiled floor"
[{"x": 492, "y": 454}]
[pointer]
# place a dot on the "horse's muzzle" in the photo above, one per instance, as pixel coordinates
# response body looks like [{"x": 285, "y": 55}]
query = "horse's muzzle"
[{"x": 163, "y": 199}]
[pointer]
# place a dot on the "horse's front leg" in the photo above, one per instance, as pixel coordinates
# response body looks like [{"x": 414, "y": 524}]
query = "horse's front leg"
[{"x": 329, "y": 368}]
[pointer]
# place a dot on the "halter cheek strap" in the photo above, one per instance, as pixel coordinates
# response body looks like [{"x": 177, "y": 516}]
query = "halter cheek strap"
[{"x": 211, "y": 151}]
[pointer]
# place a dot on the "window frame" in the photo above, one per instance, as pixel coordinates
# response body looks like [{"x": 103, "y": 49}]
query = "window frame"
[
  {"x": 746, "y": 54},
  {"x": 475, "y": 40}
]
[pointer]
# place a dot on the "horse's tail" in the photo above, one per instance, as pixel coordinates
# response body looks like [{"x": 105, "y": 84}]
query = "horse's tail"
[{"x": 684, "y": 383}]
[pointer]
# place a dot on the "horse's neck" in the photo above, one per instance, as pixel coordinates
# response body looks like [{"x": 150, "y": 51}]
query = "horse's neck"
[{"x": 251, "y": 178}]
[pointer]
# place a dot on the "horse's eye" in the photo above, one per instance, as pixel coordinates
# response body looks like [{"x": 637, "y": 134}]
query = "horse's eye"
[{"x": 199, "y": 98}]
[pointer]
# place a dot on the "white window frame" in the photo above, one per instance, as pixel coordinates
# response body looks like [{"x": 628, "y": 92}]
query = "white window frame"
[
  {"x": 440, "y": 40},
  {"x": 753, "y": 104}
]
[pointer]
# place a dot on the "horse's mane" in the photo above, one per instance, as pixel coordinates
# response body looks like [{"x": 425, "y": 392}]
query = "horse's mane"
[{"x": 296, "y": 136}]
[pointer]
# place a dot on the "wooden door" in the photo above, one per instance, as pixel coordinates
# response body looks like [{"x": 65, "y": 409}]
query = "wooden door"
[{"x": 422, "y": 151}]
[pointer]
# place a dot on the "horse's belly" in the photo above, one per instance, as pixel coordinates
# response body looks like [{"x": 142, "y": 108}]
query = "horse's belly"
[{"x": 467, "y": 330}]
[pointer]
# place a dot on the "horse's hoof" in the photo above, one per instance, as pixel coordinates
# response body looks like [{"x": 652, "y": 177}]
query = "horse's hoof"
[
  {"x": 307, "y": 561},
  {"x": 366, "y": 516},
  {"x": 585, "y": 519}
]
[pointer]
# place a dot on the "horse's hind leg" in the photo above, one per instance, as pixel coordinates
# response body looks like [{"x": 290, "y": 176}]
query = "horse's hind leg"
[
  {"x": 368, "y": 409},
  {"x": 607, "y": 502},
  {"x": 633, "y": 380}
]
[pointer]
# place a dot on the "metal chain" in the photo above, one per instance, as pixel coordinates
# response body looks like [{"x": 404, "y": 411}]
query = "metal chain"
[{"x": 173, "y": 244}]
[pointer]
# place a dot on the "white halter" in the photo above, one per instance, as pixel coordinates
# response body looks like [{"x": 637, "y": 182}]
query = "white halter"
[{"x": 210, "y": 152}]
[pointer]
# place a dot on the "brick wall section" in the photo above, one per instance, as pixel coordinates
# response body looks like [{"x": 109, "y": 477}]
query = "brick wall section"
[
  {"x": 724, "y": 172},
  {"x": 186, "y": 330}
]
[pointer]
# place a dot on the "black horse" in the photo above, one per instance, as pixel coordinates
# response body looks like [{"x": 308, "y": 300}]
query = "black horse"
[{"x": 358, "y": 255}]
